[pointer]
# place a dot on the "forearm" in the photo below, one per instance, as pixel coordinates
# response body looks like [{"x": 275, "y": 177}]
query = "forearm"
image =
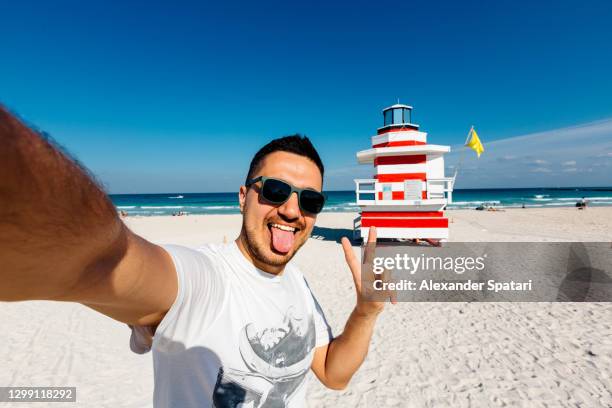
[
  {"x": 347, "y": 351},
  {"x": 54, "y": 219}
]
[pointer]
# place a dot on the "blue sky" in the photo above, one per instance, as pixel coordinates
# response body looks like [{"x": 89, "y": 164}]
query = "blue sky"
[{"x": 177, "y": 97}]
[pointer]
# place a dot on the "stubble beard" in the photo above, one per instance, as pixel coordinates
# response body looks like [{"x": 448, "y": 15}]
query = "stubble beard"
[{"x": 259, "y": 249}]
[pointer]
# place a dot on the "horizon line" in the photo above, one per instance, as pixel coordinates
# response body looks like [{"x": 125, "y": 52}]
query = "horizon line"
[{"x": 600, "y": 188}]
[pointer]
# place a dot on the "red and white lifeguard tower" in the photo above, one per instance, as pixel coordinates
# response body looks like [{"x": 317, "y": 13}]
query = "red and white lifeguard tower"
[{"x": 408, "y": 194}]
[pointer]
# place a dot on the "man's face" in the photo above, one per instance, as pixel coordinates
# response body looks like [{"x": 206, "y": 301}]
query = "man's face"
[{"x": 267, "y": 245}]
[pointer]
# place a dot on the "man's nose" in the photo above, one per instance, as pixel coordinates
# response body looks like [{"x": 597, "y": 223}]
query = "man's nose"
[{"x": 290, "y": 208}]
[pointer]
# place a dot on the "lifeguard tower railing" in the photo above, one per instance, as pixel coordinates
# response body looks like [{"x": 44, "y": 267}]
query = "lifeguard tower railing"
[{"x": 439, "y": 191}]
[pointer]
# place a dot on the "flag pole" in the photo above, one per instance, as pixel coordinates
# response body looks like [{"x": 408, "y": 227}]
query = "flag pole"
[
  {"x": 462, "y": 154},
  {"x": 468, "y": 136}
]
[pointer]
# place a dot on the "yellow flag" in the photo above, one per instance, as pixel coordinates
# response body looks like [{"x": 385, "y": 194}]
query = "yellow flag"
[{"x": 475, "y": 144}]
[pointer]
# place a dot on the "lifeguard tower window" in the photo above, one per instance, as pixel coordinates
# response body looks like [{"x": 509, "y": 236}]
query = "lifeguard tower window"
[
  {"x": 397, "y": 116},
  {"x": 387, "y": 191},
  {"x": 407, "y": 113},
  {"x": 389, "y": 117}
]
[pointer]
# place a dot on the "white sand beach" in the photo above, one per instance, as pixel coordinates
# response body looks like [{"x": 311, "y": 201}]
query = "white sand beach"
[{"x": 422, "y": 354}]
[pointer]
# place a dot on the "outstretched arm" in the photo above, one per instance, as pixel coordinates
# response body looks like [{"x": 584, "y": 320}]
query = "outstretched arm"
[{"x": 61, "y": 238}]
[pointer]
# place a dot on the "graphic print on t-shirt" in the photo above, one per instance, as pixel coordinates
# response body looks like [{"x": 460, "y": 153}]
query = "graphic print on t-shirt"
[{"x": 278, "y": 359}]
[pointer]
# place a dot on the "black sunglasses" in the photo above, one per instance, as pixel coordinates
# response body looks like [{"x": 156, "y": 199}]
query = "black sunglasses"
[{"x": 278, "y": 191}]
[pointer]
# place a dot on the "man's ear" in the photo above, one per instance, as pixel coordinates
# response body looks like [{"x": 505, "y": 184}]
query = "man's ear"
[{"x": 242, "y": 198}]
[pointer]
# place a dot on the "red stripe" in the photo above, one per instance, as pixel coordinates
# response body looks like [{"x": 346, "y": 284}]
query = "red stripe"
[
  {"x": 410, "y": 159},
  {"x": 396, "y": 129},
  {"x": 399, "y": 195},
  {"x": 395, "y": 195},
  {"x": 390, "y": 178},
  {"x": 379, "y": 214},
  {"x": 405, "y": 222},
  {"x": 400, "y": 143}
]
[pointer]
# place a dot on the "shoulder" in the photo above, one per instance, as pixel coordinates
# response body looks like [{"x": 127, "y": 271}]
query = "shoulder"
[
  {"x": 294, "y": 273},
  {"x": 205, "y": 252},
  {"x": 212, "y": 250},
  {"x": 187, "y": 257},
  {"x": 193, "y": 262}
]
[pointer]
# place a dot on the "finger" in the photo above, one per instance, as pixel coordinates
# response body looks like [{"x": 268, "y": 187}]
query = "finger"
[
  {"x": 372, "y": 234},
  {"x": 370, "y": 246},
  {"x": 351, "y": 260}
]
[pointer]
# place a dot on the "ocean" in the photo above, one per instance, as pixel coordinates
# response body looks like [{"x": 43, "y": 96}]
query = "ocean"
[{"x": 344, "y": 201}]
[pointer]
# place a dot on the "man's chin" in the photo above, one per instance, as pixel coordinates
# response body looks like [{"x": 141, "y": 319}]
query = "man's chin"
[
  {"x": 276, "y": 258},
  {"x": 263, "y": 252},
  {"x": 270, "y": 256}
]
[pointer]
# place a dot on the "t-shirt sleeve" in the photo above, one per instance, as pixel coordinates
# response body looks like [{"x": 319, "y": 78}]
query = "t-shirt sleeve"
[
  {"x": 200, "y": 296},
  {"x": 324, "y": 331}
]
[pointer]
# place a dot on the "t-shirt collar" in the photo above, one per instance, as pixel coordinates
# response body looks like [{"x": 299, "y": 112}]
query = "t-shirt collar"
[{"x": 252, "y": 269}]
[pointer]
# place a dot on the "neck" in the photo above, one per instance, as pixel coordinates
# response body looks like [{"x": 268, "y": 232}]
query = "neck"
[{"x": 244, "y": 248}]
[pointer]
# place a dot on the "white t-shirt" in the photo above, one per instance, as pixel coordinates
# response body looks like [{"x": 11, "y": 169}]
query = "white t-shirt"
[{"x": 235, "y": 336}]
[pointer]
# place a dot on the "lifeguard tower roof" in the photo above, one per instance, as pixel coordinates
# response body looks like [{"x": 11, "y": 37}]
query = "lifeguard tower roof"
[
  {"x": 397, "y": 116},
  {"x": 397, "y": 105}
]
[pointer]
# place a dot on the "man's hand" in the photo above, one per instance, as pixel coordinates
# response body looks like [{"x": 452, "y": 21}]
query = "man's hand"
[{"x": 366, "y": 305}]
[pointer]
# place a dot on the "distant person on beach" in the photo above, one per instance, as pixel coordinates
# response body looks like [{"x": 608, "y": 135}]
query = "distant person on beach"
[
  {"x": 230, "y": 325},
  {"x": 582, "y": 204}
]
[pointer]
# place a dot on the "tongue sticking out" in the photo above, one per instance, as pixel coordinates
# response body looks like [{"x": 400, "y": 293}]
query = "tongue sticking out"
[{"x": 282, "y": 241}]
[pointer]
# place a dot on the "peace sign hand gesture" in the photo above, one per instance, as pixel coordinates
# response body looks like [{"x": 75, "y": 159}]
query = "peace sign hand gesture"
[{"x": 369, "y": 300}]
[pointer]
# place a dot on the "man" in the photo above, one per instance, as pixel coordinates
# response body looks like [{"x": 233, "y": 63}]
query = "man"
[{"x": 229, "y": 325}]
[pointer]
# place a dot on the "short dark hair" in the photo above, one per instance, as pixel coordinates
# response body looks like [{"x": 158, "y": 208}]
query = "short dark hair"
[{"x": 296, "y": 144}]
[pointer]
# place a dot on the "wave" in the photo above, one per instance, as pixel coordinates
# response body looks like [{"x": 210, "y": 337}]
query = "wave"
[
  {"x": 156, "y": 207},
  {"x": 226, "y": 204},
  {"x": 557, "y": 204},
  {"x": 585, "y": 197},
  {"x": 341, "y": 208},
  {"x": 475, "y": 202},
  {"x": 347, "y": 204}
]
